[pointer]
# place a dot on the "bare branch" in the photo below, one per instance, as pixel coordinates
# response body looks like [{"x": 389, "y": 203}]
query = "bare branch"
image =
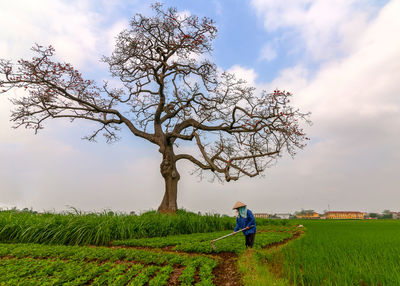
[{"x": 169, "y": 92}]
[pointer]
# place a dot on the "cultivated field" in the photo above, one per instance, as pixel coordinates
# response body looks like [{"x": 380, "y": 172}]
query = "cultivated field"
[
  {"x": 51, "y": 249},
  {"x": 343, "y": 253},
  {"x": 155, "y": 249}
]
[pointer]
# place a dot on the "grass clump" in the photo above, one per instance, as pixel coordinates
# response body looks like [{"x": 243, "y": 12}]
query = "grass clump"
[{"x": 256, "y": 271}]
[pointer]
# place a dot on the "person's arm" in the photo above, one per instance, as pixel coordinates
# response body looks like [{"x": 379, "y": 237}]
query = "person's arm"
[{"x": 252, "y": 220}]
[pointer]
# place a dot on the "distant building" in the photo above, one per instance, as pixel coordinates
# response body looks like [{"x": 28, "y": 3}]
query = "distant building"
[
  {"x": 261, "y": 215},
  {"x": 308, "y": 215},
  {"x": 282, "y": 216},
  {"x": 396, "y": 215},
  {"x": 343, "y": 215}
]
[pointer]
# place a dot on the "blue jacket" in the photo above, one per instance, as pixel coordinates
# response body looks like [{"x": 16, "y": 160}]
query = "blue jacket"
[{"x": 243, "y": 222}]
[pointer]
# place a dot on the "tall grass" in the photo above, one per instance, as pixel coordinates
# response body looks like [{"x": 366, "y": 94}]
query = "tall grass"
[
  {"x": 101, "y": 228},
  {"x": 345, "y": 253}
]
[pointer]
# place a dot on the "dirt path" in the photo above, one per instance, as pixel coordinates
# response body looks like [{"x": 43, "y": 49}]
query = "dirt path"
[
  {"x": 296, "y": 235},
  {"x": 226, "y": 273}
]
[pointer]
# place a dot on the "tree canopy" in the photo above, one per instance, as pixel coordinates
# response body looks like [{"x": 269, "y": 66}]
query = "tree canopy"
[{"x": 171, "y": 92}]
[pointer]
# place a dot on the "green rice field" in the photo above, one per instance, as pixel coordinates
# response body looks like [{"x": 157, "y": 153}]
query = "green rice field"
[{"x": 350, "y": 252}]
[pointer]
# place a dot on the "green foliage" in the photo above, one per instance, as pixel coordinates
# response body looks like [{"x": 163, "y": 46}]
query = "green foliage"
[
  {"x": 108, "y": 277},
  {"x": 345, "y": 253},
  {"x": 200, "y": 242},
  {"x": 143, "y": 277},
  {"x": 206, "y": 275},
  {"x": 128, "y": 275},
  {"x": 255, "y": 271},
  {"x": 34, "y": 264},
  {"x": 187, "y": 275},
  {"x": 29, "y": 271},
  {"x": 162, "y": 276},
  {"x": 205, "y": 267},
  {"x": 101, "y": 228}
]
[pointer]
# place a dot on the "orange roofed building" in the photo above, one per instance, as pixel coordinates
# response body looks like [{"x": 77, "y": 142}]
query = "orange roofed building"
[
  {"x": 261, "y": 215},
  {"x": 308, "y": 215},
  {"x": 343, "y": 215}
]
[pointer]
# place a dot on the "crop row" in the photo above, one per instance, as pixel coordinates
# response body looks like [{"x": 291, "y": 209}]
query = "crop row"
[
  {"x": 29, "y": 271},
  {"x": 200, "y": 242},
  {"x": 33, "y": 264}
]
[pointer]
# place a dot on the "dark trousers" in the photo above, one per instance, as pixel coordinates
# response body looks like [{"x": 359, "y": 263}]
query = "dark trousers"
[{"x": 250, "y": 239}]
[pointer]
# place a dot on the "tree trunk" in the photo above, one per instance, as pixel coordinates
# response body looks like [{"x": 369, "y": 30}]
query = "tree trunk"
[{"x": 171, "y": 177}]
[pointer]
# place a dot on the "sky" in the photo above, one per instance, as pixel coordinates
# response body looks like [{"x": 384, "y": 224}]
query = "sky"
[{"x": 340, "y": 59}]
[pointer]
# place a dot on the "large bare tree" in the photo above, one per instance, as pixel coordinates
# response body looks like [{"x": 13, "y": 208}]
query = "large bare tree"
[{"x": 169, "y": 93}]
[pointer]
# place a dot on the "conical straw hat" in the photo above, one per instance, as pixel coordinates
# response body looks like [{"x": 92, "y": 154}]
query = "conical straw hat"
[{"x": 238, "y": 205}]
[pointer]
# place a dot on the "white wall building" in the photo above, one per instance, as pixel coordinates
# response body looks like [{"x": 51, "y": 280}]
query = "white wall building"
[{"x": 282, "y": 216}]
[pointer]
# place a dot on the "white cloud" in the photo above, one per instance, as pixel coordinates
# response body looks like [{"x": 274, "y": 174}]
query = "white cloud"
[
  {"x": 353, "y": 155},
  {"x": 74, "y": 28},
  {"x": 249, "y": 75},
  {"x": 268, "y": 53},
  {"x": 324, "y": 28},
  {"x": 290, "y": 79},
  {"x": 183, "y": 14},
  {"x": 363, "y": 84},
  {"x": 113, "y": 32}
]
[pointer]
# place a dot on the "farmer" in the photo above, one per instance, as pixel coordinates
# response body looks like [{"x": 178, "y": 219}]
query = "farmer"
[{"x": 245, "y": 219}]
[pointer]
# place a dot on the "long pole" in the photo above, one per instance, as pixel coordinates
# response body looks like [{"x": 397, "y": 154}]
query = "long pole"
[{"x": 225, "y": 236}]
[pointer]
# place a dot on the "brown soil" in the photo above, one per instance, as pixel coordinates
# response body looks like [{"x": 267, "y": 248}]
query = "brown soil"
[
  {"x": 197, "y": 276},
  {"x": 286, "y": 240},
  {"x": 226, "y": 273},
  {"x": 173, "y": 278}
]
